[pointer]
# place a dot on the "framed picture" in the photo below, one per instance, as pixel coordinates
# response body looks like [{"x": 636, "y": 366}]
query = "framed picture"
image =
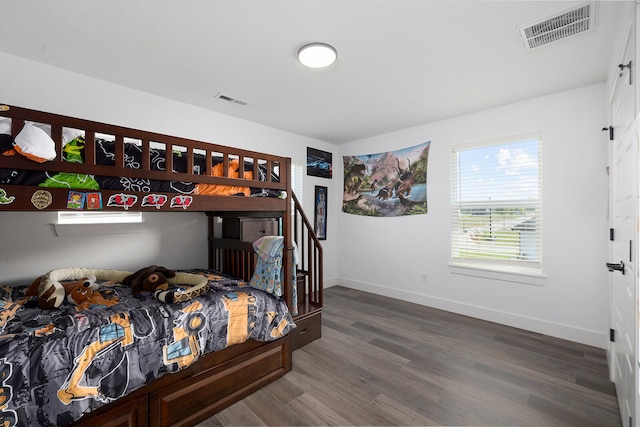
[
  {"x": 320, "y": 223},
  {"x": 319, "y": 163}
]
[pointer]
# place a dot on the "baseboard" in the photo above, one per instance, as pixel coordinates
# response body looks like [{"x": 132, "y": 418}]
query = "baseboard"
[
  {"x": 540, "y": 326},
  {"x": 330, "y": 282}
]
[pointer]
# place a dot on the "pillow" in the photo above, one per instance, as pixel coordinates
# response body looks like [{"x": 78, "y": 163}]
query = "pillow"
[
  {"x": 68, "y": 134},
  {"x": 34, "y": 143}
]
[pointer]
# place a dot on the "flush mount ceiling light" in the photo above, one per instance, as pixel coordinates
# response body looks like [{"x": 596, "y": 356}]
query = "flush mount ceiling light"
[{"x": 317, "y": 55}]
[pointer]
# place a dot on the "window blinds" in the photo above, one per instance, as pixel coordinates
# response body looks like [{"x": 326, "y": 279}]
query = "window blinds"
[{"x": 495, "y": 203}]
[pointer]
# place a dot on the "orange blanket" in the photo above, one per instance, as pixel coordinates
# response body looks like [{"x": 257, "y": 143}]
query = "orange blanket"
[{"x": 226, "y": 190}]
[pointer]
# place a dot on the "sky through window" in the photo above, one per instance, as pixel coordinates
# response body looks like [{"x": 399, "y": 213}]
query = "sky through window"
[{"x": 499, "y": 172}]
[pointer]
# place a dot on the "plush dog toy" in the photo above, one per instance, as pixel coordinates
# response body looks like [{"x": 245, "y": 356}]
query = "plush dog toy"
[
  {"x": 149, "y": 279},
  {"x": 157, "y": 280}
]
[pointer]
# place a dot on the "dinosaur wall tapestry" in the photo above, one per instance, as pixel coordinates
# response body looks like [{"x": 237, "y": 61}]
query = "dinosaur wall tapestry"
[{"x": 387, "y": 184}]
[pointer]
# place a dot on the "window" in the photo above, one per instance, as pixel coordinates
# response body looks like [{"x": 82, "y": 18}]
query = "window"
[
  {"x": 297, "y": 172},
  {"x": 496, "y": 206}
]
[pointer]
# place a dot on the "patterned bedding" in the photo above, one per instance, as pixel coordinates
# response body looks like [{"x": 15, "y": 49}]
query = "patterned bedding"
[{"x": 56, "y": 365}]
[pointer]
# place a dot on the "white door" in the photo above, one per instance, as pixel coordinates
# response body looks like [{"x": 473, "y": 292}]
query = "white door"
[{"x": 624, "y": 178}]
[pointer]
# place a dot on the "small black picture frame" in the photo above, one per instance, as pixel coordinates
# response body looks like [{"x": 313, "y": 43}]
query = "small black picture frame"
[
  {"x": 319, "y": 163},
  {"x": 320, "y": 218}
]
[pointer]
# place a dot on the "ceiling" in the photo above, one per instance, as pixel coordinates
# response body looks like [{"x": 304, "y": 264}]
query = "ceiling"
[{"x": 401, "y": 63}]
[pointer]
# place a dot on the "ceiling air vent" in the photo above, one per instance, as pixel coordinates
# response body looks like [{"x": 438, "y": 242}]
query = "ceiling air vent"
[
  {"x": 566, "y": 23},
  {"x": 231, "y": 99}
]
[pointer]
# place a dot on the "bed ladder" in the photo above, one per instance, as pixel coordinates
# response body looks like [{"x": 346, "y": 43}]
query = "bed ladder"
[{"x": 309, "y": 271}]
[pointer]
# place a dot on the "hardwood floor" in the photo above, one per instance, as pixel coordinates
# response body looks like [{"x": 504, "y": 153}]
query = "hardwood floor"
[{"x": 388, "y": 362}]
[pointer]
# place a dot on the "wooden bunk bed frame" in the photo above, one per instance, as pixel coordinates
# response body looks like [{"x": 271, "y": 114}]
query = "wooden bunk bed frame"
[{"x": 217, "y": 379}]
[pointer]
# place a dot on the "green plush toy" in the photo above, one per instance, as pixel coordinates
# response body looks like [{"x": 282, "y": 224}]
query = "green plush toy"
[
  {"x": 73, "y": 150},
  {"x": 72, "y": 153}
]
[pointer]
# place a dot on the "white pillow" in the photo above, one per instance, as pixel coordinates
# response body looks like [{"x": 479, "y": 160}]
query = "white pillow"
[
  {"x": 34, "y": 143},
  {"x": 68, "y": 134}
]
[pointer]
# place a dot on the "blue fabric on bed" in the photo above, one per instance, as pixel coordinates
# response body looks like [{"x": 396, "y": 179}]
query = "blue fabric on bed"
[{"x": 269, "y": 270}]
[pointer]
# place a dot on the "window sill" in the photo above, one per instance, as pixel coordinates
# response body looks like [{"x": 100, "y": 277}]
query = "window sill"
[{"x": 529, "y": 276}]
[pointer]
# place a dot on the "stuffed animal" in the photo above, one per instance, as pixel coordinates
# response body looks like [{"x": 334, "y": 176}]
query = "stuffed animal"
[
  {"x": 51, "y": 293},
  {"x": 84, "y": 293},
  {"x": 157, "y": 279},
  {"x": 149, "y": 279},
  {"x": 80, "y": 290},
  {"x": 81, "y": 293}
]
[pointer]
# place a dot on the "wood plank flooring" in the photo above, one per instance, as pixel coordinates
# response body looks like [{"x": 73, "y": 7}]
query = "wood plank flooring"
[{"x": 383, "y": 362}]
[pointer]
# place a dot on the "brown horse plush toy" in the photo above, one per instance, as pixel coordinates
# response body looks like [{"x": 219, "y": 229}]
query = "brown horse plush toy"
[{"x": 149, "y": 279}]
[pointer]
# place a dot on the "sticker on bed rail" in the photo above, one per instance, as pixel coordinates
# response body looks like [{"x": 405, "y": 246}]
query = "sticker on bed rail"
[
  {"x": 181, "y": 201},
  {"x": 4, "y": 199},
  {"x": 154, "y": 200},
  {"x": 41, "y": 199},
  {"x": 75, "y": 200},
  {"x": 94, "y": 201},
  {"x": 4, "y": 107},
  {"x": 122, "y": 200}
]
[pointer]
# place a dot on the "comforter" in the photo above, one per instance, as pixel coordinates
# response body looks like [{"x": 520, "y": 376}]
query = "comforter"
[{"x": 56, "y": 365}]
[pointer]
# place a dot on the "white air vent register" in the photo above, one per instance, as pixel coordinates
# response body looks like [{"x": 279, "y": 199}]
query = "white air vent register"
[
  {"x": 223, "y": 97},
  {"x": 566, "y": 23}
]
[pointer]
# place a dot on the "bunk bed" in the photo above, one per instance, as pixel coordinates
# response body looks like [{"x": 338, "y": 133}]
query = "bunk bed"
[{"x": 43, "y": 157}]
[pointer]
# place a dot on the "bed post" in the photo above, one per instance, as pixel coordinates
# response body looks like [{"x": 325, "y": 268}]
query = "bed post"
[
  {"x": 288, "y": 242},
  {"x": 210, "y": 237}
]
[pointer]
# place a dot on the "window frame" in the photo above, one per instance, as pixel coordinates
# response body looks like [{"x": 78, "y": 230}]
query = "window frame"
[{"x": 522, "y": 271}]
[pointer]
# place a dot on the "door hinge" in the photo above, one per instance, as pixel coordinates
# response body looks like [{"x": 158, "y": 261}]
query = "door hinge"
[
  {"x": 612, "y": 335},
  {"x": 610, "y": 129},
  {"x": 611, "y": 234}
]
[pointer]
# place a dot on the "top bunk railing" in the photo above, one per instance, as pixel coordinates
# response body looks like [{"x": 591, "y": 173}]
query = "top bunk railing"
[{"x": 191, "y": 161}]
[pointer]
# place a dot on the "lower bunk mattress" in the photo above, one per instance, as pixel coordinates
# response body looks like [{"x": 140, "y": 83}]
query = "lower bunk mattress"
[{"x": 57, "y": 365}]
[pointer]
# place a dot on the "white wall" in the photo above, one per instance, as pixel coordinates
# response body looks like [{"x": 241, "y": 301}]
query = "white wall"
[
  {"x": 31, "y": 246},
  {"x": 28, "y": 251},
  {"x": 388, "y": 255}
]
